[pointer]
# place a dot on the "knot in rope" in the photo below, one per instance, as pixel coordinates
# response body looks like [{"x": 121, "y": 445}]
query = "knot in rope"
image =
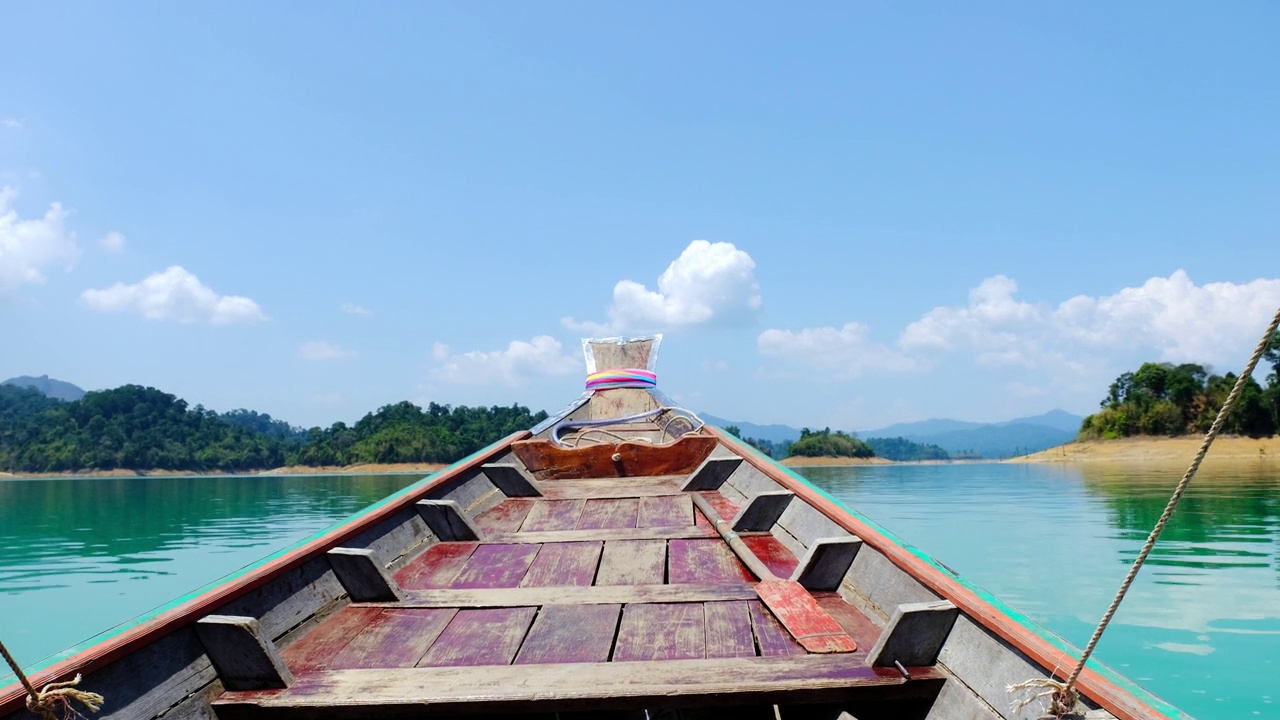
[
  {"x": 1062, "y": 699},
  {"x": 46, "y": 701},
  {"x": 621, "y": 378}
]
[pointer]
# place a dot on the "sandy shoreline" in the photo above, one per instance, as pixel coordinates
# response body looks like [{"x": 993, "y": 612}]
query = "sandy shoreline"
[
  {"x": 362, "y": 469},
  {"x": 1159, "y": 450},
  {"x": 802, "y": 461}
]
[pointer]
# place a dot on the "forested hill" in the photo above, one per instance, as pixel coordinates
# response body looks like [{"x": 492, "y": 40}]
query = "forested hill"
[{"x": 141, "y": 428}]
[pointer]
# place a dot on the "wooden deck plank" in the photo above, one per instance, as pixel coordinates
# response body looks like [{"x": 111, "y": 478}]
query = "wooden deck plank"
[
  {"x": 495, "y": 566},
  {"x": 801, "y": 615},
  {"x": 506, "y": 516},
  {"x": 570, "y": 633},
  {"x": 314, "y": 650},
  {"x": 661, "y": 631},
  {"x": 436, "y": 567},
  {"x": 861, "y": 628},
  {"x": 602, "y": 513},
  {"x": 553, "y": 515},
  {"x": 594, "y": 595},
  {"x": 395, "y": 639},
  {"x": 631, "y": 487},
  {"x": 775, "y": 556},
  {"x": 729, "y": 629},
  {"x": 571, "y": 563},
  {"x": 665, "y": 511},
  {"x": 727, "y": 509},
  {"x": 633, "y": 562},
  {"x": 480, "y": 637},
  {"x": 434, "y": 692},
  {"x": 703, "y": 561},
  {"x": 659, "y": 533},
  {"x": 772, "y": 639}
]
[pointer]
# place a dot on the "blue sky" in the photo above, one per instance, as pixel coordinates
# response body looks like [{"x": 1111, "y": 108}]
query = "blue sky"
[{"x": 846, "y": 214}]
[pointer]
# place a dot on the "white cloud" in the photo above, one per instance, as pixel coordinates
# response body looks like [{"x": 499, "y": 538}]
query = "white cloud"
[
  {"x": 709, "y": 282},
  {"x": 29, "y": 247},
  {"x": 12, "y": 123},
  {"x": 174, "y": 294},
  {"x": 354, "y": 309},
  {"x": 843, "y": 352},
  {"x": 320, "y": 350},
  {"x": 543, "y": 356},
  {"x": 112, "y": 241}
]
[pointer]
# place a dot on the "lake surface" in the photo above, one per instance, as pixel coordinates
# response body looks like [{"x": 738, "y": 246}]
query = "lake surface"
[{"x": 1200, "y": 628}]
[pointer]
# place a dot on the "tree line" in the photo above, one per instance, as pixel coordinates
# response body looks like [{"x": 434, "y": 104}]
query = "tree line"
[{"x": 142, "y": 428}]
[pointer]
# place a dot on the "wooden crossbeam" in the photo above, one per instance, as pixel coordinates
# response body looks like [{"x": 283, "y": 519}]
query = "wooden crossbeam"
[
  {"x": 447, "y": 520},
  {"x": 244, "y": 658},
  {"x": 826, "y": 562},
  {"x": 362, "y": 577},
  {"x": 712, "y": 473},
  {"x": 651, "y": 533},
  {"x": 762, "y": 510},
  {"x": 511, "y": 479},
  {"x": 590, "y": 595},
  {"x": 914, "y": 635}
]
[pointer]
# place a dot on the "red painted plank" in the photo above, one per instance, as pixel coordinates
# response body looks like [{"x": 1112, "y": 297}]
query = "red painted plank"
[
  {"x": 858, "y": 625},
  {"x": 801, "y": 615},
  {"x": 602, "y": 513},
  {"x": 724, "y": 507},
  {"x": 397, "y": 638},
  {"x": 480, "y": 637},
  {"x": 435, "y": 568},
  {"x": 665, "y": 511},
  {"x": 553, "y": 515},
  {"x": 700, "y": 519},
  {"x": 661, "y": 631},
  {"x": 633, "y": 562},
  {"x": 314, "y": 650},
  {"x": 570, "y": 633},
  {"x": 496, "y": 566},
  {"x": 703, "y": 561},
  {"x": 771, "y": 637},
  {"x": 506, "y": 516},
  {"x": 775, "y": 556},
  {"x": 565, "y": 563},
  {"x": 729, "y": 629}
]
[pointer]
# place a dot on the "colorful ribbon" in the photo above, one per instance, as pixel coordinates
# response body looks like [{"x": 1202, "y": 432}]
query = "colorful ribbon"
[{"x": 621, "y": 378}]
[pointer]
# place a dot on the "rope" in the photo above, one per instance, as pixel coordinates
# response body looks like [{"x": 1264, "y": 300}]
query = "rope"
[
  {"x": 54, "y": 695},
  {"x": 1063, "y": 696}
]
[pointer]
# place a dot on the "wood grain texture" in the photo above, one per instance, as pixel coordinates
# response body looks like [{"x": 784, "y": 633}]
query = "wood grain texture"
[
  {"x": 511, "y": 479},
  {"x": 551, "y": 462},
  {"x": 712, "y": 473},
  {"x": 723, "y": 506},
  {"x": 480, "y": 637},
  {"x": 570, "y": 633},
  {"x": 703, "y": 561},
  {"x": 495, "y": 566},
  {"x": 761, "y": 510},
  {"x": 609, "y": 513},
  {"x": 632, "y": 487},
  {"x": 396, "y": 638},
  {"x": 659, "y": 533},
  {"x": 775, "y": 556},
  {"x": 571, "y": 563},
  {"x": 548, "y": 515},
  {"x": 826, "y": 562},
  {"x": 633, "y": 562},
  {"x": 448, "y": 520},
  {"x": 244, "y": 658},
  {"x": 364, "y": 579},
  {"x": 661, "y": 631},
  {"x": 860, "y": 627},
  {"x": 801, "y": 615},
  {"x": 594, "y": 595},
  {"x": 772, "y": 639},
  {"x": 665, "y": 511},
  {"x": 316, "y": 649},
  {"x": 436, "y": 567},
  {"x": 505, "y": 517},
  {"x": 914, "y": 634},
  {"x": 728, "y": 628}
]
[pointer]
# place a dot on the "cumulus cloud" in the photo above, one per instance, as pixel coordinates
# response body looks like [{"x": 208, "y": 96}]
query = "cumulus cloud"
[
  {"x": 354, "y": 309},
  {"x": 320, "y": 350},
  {"x": 174, "y": 294},
  {"x": 519, "y": 363},
  {"x": 709, "y": 282},
  {"x": 843, "y": 352},
  {"x": 112, "y": 241},
  {"x": 29, "y": 247}
]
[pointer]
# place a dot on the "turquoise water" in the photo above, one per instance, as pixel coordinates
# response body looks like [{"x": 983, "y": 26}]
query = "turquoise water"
[
  {"x": 1201, "y": 625},
  {"x": 1201, "y": 628}
]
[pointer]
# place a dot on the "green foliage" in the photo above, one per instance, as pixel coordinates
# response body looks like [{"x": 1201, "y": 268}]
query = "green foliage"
[
  {"x": 904, "y": 450},
  {"x": 826, "y": 443},
  {"x": 768, "y": 447}
]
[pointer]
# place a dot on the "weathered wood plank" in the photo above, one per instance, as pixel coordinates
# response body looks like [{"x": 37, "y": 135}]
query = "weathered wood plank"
[
  {"x": 772, "y": 639},
  {"x": 511, "y": 479},
  {"x": 488, "y": 636},
  {"x": 448, "y": 521},
  {"x": 729, "y": 629},
  {"x": 748, "y": 480},
  {"x": 860, "y": 627},
  {"x": 723, "y": 506},
  {"x": 826, "y": 562},
  {"x": 553, "y": 515},
  {"x": 397, "y": 638},
  {"x": 633, "y": 562},
  {"x": 712, "y": 473},
  {"x": 881, "y": 586},
  {"x": 570, "y": 633},
  {"x": 314, "y": 650},
  {"x": 661, "y": 631},
  {"x": 551, "y": 462},
  {"x": 557, "y": 564},
  {"x": 633, "y": 487},
  {"x": 703, "y": 561},
  {"x": 290, "y": 599},
  {"x": 762, "y": 510},
  {"x": 593, "y": 595},
  {"x": 505, "y": 517},
  {"x": 394, "y": 540},
  {"x": 436, "y": 567},
  {"x": 914, "y": 635},
  {"x": 988, "y": 665},
  {"x": 665, "y": 511},
  {"x": 660, "y": 533},
  {"x": 364, "y": 579},
  {"x": 775, "y": 556},
  {"x": 434, "y": 692},
  {"x": 496, "y": 566},
  {"x": 801, "y": 615},
  {"x": 611, "y": 513},
  {"x": 244, "y": 658},
  {"x": 807, "y": 523}
]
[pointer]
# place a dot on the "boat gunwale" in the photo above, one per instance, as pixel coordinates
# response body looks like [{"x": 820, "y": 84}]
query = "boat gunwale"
[{"x": 185, "y": 610}]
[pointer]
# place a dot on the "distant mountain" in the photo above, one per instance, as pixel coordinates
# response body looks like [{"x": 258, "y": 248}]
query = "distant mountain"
[
  {"x": 1057, "y": 419},
  {"x": 921, "y": 428},
  {"x": 56, "y": 389},
  {"x": 772, "y": 433}
]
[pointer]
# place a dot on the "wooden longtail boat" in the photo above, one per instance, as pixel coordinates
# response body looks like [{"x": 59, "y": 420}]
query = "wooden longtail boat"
[{"x": 618, "y": 560}]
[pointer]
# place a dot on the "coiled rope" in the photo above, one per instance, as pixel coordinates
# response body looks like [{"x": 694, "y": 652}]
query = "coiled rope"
[
  {"x": 54, "y": 695},
  {"x": 1063, "y": 697}
]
